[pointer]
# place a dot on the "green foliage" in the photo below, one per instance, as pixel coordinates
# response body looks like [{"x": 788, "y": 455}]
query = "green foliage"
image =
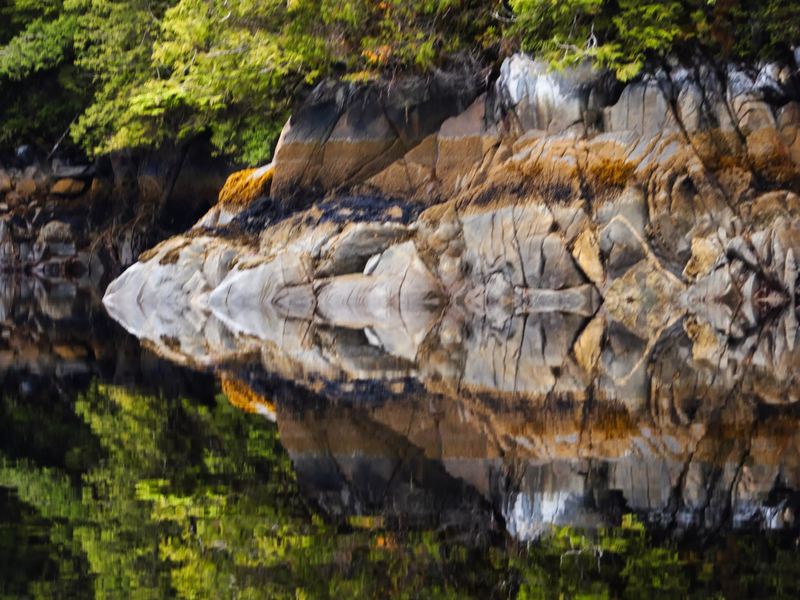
[
  {"x": 163, "y": 71},
  {"x": 34, "y": 564},
  {"x": 234, "y": 67},
  {"x": 41, "y": 92},
  {"x": 625, "y": 34},
  {"x": 45, "y": 38},
  {"x": 160, "y": 72},
  {"x": 114, "y": 45}
]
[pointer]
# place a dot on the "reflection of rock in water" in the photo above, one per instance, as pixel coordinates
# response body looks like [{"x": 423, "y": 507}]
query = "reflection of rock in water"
[
  {"x": 514, "y": 390},
  {"x": 55, "y": 338},
  {"x": 555, "y": 464},
  {"x": 700, "y": 451},
  {"x": 46, "y": 326},
  {"x": 495, "y": 298}
]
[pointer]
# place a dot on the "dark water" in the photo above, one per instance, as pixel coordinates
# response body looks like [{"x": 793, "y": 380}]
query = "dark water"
[{"x": 126, "y": 476}]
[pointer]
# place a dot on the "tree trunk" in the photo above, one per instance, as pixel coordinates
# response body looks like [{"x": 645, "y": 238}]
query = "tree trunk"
[{"x": 173, "y": 179}]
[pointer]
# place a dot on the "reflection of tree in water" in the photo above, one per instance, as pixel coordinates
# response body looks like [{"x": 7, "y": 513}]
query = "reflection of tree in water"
[
  {"x": 38, "y": 559},
  {"x": 199, "y": 500}
]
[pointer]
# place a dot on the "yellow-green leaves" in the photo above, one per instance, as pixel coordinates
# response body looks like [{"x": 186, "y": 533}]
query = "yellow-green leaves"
[
  {"x": 154, "y": 72},
  {"x": 624, "y": 35}
]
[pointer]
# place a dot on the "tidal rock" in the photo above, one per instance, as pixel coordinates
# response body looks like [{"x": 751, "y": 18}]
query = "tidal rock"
[{"x": 476, "y": 287}]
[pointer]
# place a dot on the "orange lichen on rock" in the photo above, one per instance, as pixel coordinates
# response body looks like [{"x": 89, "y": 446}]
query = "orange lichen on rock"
[
  {"x": 240, "y": 395},
  {"x": 611, "y": 173},
  {"x": 243, "y": 187}
]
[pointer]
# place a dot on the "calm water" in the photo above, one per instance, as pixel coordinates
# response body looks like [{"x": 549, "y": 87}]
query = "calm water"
[{"x": 126, "y": 476}]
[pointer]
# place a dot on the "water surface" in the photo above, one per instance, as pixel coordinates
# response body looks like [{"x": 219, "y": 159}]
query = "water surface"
[{"x": 126, "y": 475}]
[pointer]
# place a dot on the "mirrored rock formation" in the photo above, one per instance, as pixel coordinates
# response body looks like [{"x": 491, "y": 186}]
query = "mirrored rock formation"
[
  {"x": 502, "y": 299},
  {"x": 596, "y": 288},
  {"x": 448, "y": 357}
]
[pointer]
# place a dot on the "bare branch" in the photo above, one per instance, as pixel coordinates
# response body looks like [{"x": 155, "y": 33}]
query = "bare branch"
[
  {"x": 225, "y": 52},
  {"x": 63, "y": 135},
  {"x": 152, "y": 15}
]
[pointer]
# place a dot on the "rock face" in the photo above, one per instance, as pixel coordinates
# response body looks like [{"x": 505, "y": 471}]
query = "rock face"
[
  {"x": 683, "y": 153},
  {"x": 343, "y": 136},
  {"x": 563, "y": 245}
]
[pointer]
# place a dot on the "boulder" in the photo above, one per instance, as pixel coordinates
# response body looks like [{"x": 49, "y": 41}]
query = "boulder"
[
  {"x": 344, "y": 137},
  {"x": 56, "y": 231},
  {"x": 25, "y": 187},
  {"x": 538, "y": 98},
  {"x": 67, "y": 187},
  {"x": 642, "y": 108}
]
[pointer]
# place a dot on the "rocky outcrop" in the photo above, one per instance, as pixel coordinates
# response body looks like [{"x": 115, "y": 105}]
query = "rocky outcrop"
[
  {"x": 694, "y": 148},
  {"x": 596, "y": 278},
  {"x": 457, "y": 291},
  {"x": 648, "y": 222},
  {"x": 343, "y": 135}
]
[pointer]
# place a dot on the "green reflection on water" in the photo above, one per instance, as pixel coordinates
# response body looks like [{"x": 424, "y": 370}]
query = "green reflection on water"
[{"x": 131, "y": 495}]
